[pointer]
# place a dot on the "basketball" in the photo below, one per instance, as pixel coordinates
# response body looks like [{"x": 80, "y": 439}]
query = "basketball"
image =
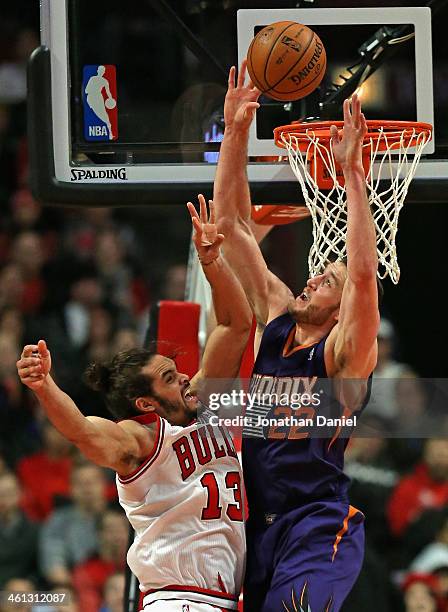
[
  {"x": 286, "y": 60},
  {"x": 110, "y": 103}
]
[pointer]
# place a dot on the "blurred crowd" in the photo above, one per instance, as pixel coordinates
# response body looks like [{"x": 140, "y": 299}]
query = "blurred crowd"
[
  {"x": 78, "y": 279},
  {"x": 81, "y": 280}
]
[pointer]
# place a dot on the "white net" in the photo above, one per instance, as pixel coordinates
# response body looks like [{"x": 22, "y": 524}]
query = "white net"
[{"x": 394, "y": 157}]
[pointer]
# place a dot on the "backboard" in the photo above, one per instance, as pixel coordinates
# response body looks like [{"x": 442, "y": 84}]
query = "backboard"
[{"x": 166, "y": 67}]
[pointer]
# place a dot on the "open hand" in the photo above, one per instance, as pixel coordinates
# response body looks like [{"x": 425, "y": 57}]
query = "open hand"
[
  {"x": 241, "y": 100},
  {"x": 206, "y": 238},
  {"x": 34, "y": 365},
  {"x": 348, "y": 149}
]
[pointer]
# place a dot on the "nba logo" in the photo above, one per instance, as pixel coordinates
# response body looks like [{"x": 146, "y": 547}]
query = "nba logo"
[
  {"x": 99, "y": 94},
  {"x": 185, "y": 608}
]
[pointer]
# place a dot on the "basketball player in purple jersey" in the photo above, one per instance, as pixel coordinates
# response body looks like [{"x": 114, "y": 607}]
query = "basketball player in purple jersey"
[{"x": 305, "y": 542}]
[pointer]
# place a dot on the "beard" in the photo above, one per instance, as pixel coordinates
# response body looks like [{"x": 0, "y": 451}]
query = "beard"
[
  {"x": 311, "y": 315},
  {"x": 176, "y": 413}
]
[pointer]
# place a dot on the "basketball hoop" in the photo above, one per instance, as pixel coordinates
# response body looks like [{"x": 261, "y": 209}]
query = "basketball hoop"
[{"x": 391, "y": 153}]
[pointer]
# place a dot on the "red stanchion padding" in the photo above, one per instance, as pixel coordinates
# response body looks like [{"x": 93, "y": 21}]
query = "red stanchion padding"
[
  {"x": 247, "y": 362},
  {"x": 177, "y": 334}
]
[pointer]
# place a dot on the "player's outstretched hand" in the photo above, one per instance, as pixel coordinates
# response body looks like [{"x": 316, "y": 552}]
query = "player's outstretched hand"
[
  {"x": 34, "y": 365},
  {"x": 241, "y": 100},
  {"x": 347, "y": 149},
  {"x": 206, "y": 238}
]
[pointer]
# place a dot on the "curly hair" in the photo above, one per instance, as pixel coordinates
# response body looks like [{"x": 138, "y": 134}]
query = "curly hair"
[{"x": 121, "y": 380}]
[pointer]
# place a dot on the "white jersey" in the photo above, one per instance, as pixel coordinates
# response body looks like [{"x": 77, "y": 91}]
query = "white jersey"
[{"x": 185, "y": 503}]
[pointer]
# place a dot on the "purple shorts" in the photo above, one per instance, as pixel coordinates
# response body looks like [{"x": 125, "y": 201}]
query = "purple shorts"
[{"x": 306, "y": 560}]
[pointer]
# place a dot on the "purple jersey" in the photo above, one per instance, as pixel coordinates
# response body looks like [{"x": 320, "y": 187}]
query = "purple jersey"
[{"x": 286, "y": 467}]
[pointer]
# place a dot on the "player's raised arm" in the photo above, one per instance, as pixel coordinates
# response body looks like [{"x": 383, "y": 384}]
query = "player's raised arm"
[
  {"x": 105, "y": 443},
  {"x": 226, "y": 343},
  {"x": 355, "y": 349},
  {"x": 267, "y": 295}
]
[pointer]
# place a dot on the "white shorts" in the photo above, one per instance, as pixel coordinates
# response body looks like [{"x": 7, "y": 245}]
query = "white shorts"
[{"x": 179, "y": 605}]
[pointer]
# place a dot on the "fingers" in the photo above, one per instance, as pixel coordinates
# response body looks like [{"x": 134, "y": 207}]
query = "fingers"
[
  {"x": 197, "y": 226},
  {"x": 28, "y": 362},
  {"x": 42, "y": 348},
  {"x": 29, "y": 349},
  {"x": 203, "y": 208},
  {"x": 34, "y": 372},
  {"x": 192, "y": 210},
  {"x": 30, "y": 368},
  {"x": 356, "y": 110},
  {"x": 346, "y": 110},
  {"x": 211, "y": 206},
  {"x": 352, "y": 114},
  {"x": 250, "y": 109},
  {"x": 334, "y": 133},
  {"x": 231, "y": 81},
  {"x": 363, "y": 124},
  {"x": 242, "y": 74},
  {"x": 219, "y": 240}
]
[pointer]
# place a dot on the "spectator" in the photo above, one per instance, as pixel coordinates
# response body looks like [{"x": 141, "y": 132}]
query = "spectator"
[
  {"x": 13, "y": 73},
  {"x": 70, "y": 534},
  {"x": 433, "y": 559},
  {"x": 16, "y": 407},
  {"x": 45, "y": 475},
  {"x": 81, "y": 229},
  {"x": 18, "y": 536},
  {"x": 115, "y": 275},
  {"x": 28, "y": 254},
  {"x": 26, "y": 211},
  {"x": 367, "y": 462},
  {"x": 426, "y": 487},
  {"x": 12, "y": 286},
  {"x": 18, "y": 585},
  {"x": 421, "y": 594},
  {"x": 100, "y": 335},
  {"x": 12, "y": 323},
  {"x": 414, "y": 418},
  {"x": 8, "y": 356},
  {"x": 67, "y": 601},
  {"x": 124, "y": 339},
  {"x": 174, "y": 284},
  {"x": 89, "y": 578},
  {"x": 85, "y": 294},
  {"x": 68, "y": 328},
  {"x": 70, "y": 603},
  {"x": 113, "y": 596},
  {"x": 387, "y": 372}
]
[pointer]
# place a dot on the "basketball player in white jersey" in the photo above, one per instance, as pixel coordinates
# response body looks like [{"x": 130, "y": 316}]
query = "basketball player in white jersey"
[{"x": 178, "y": 481}]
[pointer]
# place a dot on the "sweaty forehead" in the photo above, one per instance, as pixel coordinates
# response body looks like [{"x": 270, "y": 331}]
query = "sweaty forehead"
[
  {"x": 159, "y": 364},
  {"x": 337, "y": 269}
]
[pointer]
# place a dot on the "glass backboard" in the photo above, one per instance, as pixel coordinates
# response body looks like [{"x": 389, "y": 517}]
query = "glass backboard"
[{"x": 167, "y": 65}]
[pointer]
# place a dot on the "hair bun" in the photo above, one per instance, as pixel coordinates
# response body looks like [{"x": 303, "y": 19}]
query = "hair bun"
[{"x": 97, "y": 377}]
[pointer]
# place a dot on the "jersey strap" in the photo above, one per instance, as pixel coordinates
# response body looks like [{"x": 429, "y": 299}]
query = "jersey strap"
[{"x": 151, "y": 458}]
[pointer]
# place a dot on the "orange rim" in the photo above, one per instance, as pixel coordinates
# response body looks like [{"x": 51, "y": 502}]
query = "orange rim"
[{"x": 396, "y": 132}]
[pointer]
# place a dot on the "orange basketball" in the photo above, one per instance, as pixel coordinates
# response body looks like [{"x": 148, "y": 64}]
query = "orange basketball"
[{"x": 286, "y": 60}]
